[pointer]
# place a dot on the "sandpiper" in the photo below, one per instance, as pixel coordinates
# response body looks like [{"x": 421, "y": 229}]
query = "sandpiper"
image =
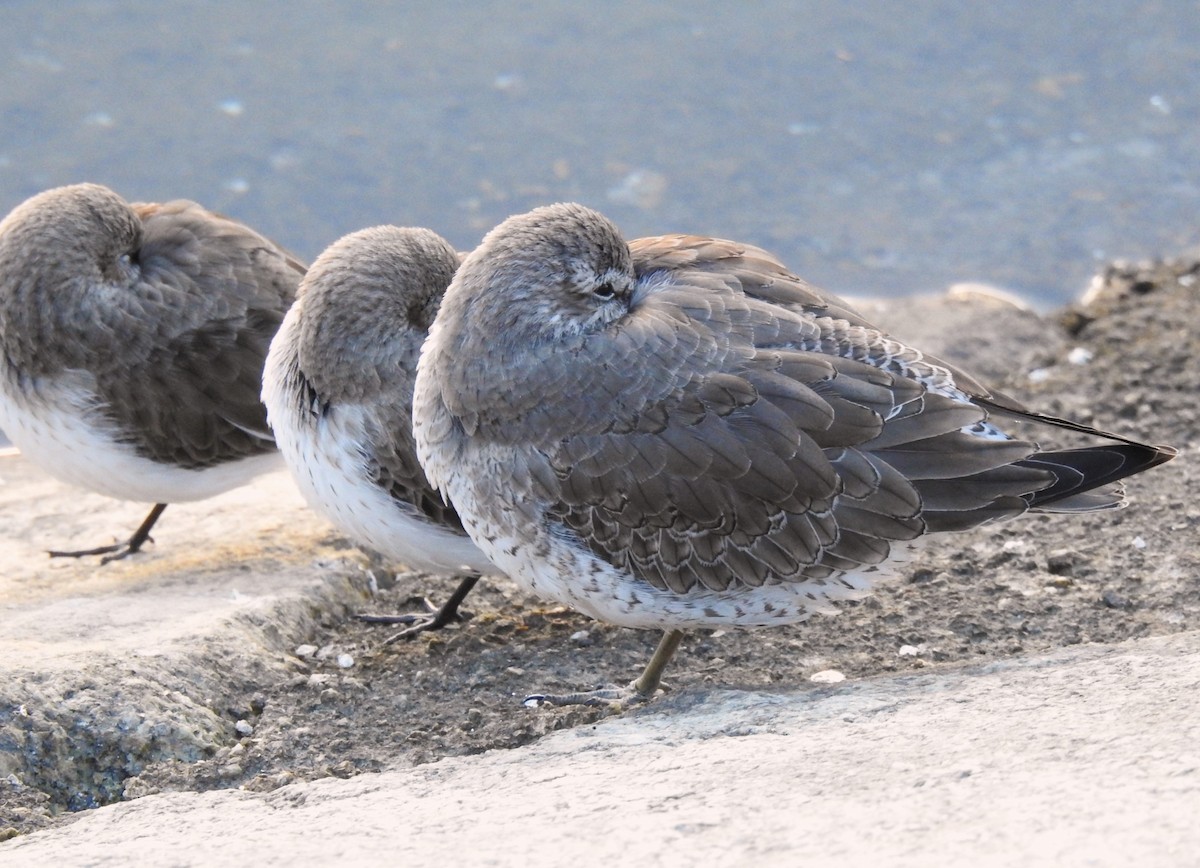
[
  {"x": 679, "y": 433},
  {"x": 338, "y": 387},
  {"x": 132, "y": 341}
]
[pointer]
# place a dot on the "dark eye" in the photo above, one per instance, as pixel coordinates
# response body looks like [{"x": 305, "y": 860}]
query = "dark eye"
[{"x": 604, "y": 291}]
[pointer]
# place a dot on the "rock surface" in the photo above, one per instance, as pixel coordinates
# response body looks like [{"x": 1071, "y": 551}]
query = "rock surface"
[
  {"x": 217, "y": 685},
  {"x": 1083, "y": 756}
]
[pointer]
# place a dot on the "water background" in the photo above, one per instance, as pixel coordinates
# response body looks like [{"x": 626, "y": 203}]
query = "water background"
[{"x": 879, "y": 148}]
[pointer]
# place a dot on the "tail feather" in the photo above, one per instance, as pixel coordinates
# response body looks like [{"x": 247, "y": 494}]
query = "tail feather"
[
  {"x": 1096, "y": 500},
  {"x": 1083, "y": 477},
  {"x": 1082, "y": 471}
]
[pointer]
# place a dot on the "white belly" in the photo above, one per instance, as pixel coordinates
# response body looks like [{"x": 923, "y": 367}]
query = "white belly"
[
  {"x": 329, "y": 469},
  {"x": 62, "y": 434}
]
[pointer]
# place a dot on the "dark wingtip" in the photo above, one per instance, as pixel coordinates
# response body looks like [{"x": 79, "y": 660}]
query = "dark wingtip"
[
  {"x": 1165, "y": 454},
  {"x": 1082, "y": 470}
]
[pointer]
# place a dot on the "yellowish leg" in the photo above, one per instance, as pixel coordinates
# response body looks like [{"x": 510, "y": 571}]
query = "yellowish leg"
[
  {"x": 640, "y": 690},
  {"x": 647, "y": 683}
]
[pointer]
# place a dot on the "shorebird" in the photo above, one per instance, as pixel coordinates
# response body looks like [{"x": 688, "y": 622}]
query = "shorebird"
[
  {"x": 132, "y": 341},
  {"x": 677, "y": 433},
  {"x": 338, "y": 387}
]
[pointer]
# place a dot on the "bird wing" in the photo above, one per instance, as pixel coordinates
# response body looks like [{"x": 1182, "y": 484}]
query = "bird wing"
[
  {"x": 390, "y": 458},
  {"x": 1082, "y": 478},
  {"x": 725, "y": 444},
  {"x": 207, "y": 297}
]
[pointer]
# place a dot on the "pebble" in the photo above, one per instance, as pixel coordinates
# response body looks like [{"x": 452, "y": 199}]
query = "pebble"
[
  {"x": 305, "y": 651},
  {"x": 581, "y": 637},
  {"x": 1115, "y": 601},
  {"x": 244, "y": 728},
  {"x": 827, "y": 676},
  {"x": 345, "y": 661},
  {"x": 924, "y": 576},
  {"x": 344, "y": 769},
  {"x": 1061, "y": 563}
]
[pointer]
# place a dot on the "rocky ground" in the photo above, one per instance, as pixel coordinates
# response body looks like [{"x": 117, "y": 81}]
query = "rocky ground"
[{"x": 227, "y": 657}]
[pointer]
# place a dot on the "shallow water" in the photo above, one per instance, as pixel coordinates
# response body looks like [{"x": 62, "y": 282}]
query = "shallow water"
[{"x": 878, "y": 149}]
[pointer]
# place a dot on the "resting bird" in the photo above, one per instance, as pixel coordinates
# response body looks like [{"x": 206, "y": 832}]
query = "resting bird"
[
  {"x": 678, "y": 433},
  {"x": 132, "y": 341},
  {"x": 338, "y": 390}
]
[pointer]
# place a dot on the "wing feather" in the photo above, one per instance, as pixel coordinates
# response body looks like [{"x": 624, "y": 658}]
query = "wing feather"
[
  {"x": 214, "y": 292},
  {"x": 752, "y": 429}
]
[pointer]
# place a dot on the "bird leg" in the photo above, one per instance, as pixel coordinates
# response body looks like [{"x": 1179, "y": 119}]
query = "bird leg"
[
  {"x": 119, "y": 550},
  {"x": 639, "y": 690},
  {"x": 434, "y": 619}
]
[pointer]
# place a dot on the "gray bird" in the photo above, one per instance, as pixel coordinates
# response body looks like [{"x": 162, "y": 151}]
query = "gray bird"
[
  {"x": 132, "y": 341},
  {"x": 338, "y": 388},
  {"x": 679, "y": 433}
]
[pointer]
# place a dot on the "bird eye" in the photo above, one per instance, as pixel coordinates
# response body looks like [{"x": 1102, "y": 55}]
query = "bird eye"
[{"x": 604, "y": 291}]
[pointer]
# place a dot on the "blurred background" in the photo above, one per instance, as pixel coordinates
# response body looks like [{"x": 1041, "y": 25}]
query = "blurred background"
[{"x": 878, "y": 148}]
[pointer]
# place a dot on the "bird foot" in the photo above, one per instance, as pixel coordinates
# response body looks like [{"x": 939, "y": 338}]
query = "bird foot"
[
  {"x": 119, "y": 550},
  {"x": 115, "y": 552},
  {"x": 641, "y": 689},
  {"x": 433, "y": 618},
  {"x": 419, "y": 622},
  {"x": 619, "y": 698}
]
